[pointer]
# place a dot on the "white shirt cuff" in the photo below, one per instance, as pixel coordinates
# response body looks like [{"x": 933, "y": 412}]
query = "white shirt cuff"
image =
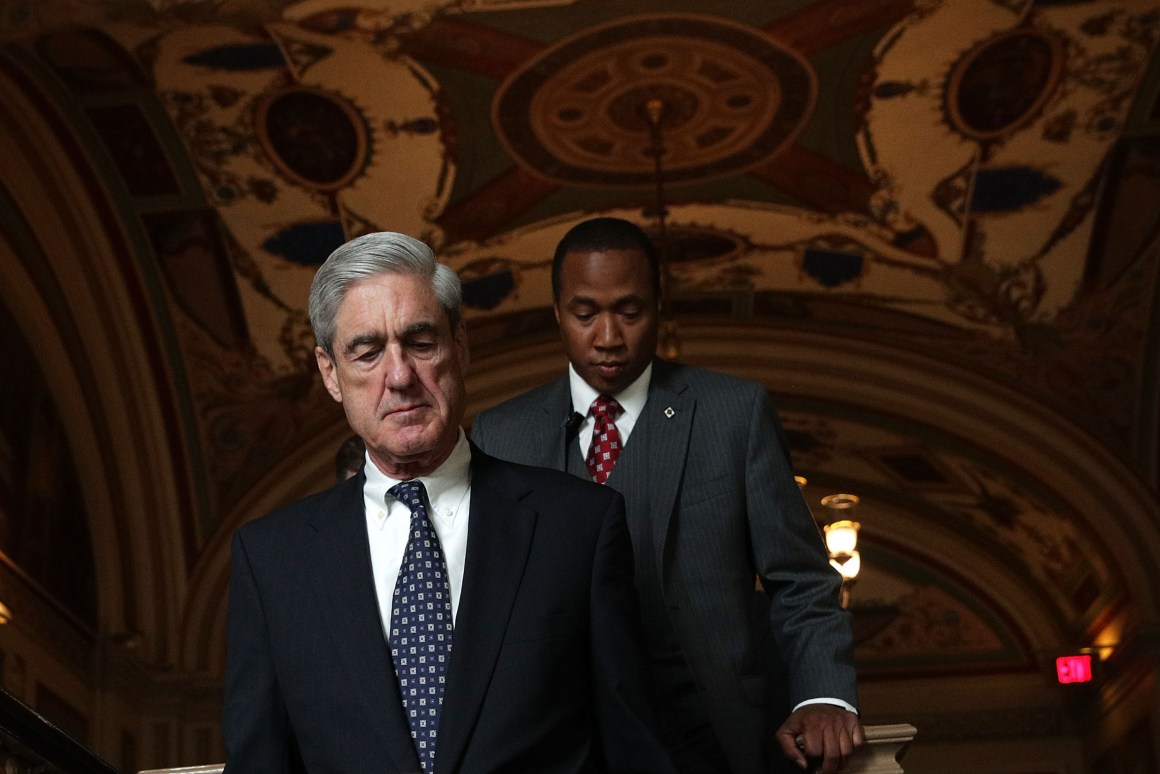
[{"x": 826, "y": 700}]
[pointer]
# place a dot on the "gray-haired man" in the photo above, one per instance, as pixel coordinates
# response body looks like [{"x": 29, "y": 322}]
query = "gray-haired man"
[{"x": 442, "y": 610}]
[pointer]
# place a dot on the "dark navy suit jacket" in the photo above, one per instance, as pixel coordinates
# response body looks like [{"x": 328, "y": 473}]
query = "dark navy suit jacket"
[{"x": 544, "y": 665}]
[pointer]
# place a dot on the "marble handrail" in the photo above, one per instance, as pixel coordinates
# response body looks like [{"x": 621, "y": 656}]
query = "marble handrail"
[{"x": 885, "y": 744}]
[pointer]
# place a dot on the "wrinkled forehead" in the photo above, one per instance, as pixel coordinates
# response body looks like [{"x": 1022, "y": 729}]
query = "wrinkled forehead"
[{"x": 390, "y": 303}]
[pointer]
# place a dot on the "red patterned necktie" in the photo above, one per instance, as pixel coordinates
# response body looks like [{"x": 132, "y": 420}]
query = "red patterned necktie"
[{"x": 605, "y": 446}]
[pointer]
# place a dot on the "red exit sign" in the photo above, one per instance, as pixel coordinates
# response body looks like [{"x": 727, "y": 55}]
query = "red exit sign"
[{"x": 1073, "y": 669}]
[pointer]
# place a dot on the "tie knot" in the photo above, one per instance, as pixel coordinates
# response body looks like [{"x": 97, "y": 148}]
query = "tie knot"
[
  {"x": 409, "y": 493},
  {"x": 605, "y": 406}
]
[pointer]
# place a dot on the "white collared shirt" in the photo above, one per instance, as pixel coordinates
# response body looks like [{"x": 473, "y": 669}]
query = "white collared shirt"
[
  {"x": 632, "y": 399},
  {"x": 388, "y": 522}
]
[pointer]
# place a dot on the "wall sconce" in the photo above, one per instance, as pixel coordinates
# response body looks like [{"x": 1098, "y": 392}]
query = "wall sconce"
[{"x": 842, "y": 540}]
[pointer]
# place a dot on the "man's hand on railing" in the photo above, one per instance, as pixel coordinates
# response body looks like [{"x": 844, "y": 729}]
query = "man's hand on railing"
[{"x": 823, "y": 733}]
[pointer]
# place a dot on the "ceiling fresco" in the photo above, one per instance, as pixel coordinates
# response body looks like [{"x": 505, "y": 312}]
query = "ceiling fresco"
[
  {"x": 481, "y": 134},
  {"x": 974, "y": 181}
]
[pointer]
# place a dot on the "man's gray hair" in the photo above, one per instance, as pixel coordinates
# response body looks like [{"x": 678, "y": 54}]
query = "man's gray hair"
[{"x": 383, "y": 252}]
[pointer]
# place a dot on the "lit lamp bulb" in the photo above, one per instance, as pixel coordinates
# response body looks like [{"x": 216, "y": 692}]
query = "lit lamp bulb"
[
  {"x": 847, "y": 565},
  {"x": 842, "y": 536},
  {"x": 841, "y": 539}
]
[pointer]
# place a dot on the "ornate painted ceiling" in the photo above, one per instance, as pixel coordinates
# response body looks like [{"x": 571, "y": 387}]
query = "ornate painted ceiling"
[{"x": 930, "y": 227}]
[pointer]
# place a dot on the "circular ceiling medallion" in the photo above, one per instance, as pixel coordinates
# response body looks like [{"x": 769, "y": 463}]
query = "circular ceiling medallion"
[
  {"x": 316, "y": 138},
  {"x": 576, "y": 114},
  {"x": 1003, "y": 82}
]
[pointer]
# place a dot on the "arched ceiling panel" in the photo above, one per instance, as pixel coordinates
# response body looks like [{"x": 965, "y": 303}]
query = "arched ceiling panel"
[{"x": 952, "y": 182}]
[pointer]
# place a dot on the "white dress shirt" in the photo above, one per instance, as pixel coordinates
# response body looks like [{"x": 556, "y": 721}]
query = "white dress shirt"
[
  {"x": 632, "y": 399},
  {"x": 388, "y": 523}
]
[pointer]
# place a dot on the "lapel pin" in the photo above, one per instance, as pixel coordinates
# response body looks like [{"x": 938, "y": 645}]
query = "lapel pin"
[{"x": 669, "y": 412}]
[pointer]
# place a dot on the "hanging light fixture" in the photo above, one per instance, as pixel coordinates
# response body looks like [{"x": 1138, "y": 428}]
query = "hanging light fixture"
[{"x": 670, "y": 344}]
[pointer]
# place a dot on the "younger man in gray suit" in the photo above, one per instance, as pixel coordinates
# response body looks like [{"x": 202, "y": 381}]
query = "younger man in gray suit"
[{"x": 712, "y": 503}]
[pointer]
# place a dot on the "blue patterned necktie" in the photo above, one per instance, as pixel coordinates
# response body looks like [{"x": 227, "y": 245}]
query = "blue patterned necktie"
[{"x": 421, "y": 624}]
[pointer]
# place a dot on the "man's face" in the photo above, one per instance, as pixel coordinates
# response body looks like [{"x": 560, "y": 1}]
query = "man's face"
[
  {"x": 607, "y": 311},
  {"x": 398, "y": 372}
]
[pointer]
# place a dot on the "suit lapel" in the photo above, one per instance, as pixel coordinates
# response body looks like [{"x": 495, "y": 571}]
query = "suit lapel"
[
  {"x": 550, "y": 434},
  {"x": 499, "y": 539},
  {"x": 668, "y": 422},
  {"x": 344, "y": 578}
]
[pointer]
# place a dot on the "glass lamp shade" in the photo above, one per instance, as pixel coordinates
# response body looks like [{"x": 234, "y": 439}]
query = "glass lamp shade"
[
  {"x": 842, "y": 537},
  {"x": 847, "y": 565}
]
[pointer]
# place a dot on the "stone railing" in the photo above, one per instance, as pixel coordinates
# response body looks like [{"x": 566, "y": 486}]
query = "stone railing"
[
  {"x": 30, "y": 744},
  {"x": 885, "y": 745}
]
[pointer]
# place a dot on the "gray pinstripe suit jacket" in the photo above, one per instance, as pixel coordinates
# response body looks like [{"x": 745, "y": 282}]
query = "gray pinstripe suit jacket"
[{"x": 706, "y": 474}]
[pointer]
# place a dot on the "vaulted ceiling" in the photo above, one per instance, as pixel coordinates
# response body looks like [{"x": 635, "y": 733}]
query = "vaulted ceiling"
[{"x": 930, "y": 227}]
